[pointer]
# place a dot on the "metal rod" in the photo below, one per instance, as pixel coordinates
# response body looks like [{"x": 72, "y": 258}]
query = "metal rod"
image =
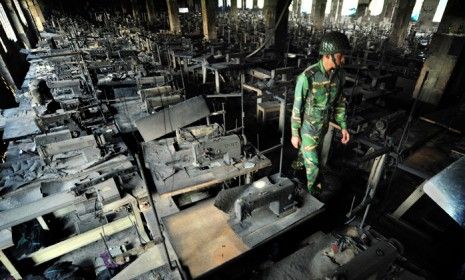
[
  {"x": 106, "y": 247},
  {"x": 364, "y": 216},
  {"x": 224, "y": 118},
  {"x": 258, "y": 141},
  {"x": 223, "y": 95},
  {"x": 282, "y": 121},
  {"x": 410, "y": 117},
  {"x": 152, "y": 204},
  {"x": 222, "y": 112},
  {"x": 351, "y": 206},
  {"x": 270, "y": 149},
  {"x": 234, "y": 130},
  {"x": 242, "y": 104}
]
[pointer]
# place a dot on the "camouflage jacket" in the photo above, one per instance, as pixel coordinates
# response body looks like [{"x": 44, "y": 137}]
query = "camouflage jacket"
[{"x": 315, "y": 100}]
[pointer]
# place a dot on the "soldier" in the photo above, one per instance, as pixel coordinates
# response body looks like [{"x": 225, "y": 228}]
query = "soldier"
[{"x": 318, "y": 96}]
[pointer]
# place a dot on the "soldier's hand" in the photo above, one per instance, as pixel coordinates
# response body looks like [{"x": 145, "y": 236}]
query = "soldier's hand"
[
  {"x": 345, "y": 136},
  {"x": 295, "y": 140}
]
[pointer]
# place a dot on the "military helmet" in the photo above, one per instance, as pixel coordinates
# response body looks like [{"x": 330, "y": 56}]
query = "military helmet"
[{"x": 334, "y": 42}]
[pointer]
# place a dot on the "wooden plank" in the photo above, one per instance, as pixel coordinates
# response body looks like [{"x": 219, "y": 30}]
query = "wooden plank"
[
  {"x": 9, "y": 266},
  {"x": 451, "y": 119},
  {"x": 441, "y": 125},
  {"x": 179, "y": 182},
  {"x": 408, "y": 203},
  {"x": 81, "y": 240},
  {"x": 202, "y": 237},
  {"x": 196, "y": 187},
  {"x": 258, "y": 91},
  {"x": 49, "y": 204},
  {"x": 42, "y": 223}
]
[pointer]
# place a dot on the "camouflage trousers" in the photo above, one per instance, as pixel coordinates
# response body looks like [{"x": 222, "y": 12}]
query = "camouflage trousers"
[{"x": 310, "y": 150}]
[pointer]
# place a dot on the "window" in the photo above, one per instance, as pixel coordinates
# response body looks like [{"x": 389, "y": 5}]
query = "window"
[
  {"x": 376, "y": 7},
  {"x": 349, "y": 7},
  {"x": 239, "y": 4},
  {"x": 220, "y": 3},
  {"x": 260, "y": 4},
  {"x": 440, "y": 11},
  {"x": 306, "y": 7},
  {"x": 249, "y": 4},
  {"x": 416, "y": 10},
  {"x": 10, "y": 33},
  {"x": 228, "y": 3},
  {"x": 328, "y": 6}
]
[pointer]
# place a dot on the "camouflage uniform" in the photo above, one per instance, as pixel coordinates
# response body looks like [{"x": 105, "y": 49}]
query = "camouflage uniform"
[{"x": 317, "y": 97}]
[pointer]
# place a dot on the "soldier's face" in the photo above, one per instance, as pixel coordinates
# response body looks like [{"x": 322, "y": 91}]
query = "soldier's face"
[
  {"x": 333, "y": 64},
  {"x": 339, "y": 57}
]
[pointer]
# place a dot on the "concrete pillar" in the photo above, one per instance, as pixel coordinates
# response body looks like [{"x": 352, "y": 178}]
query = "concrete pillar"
[
  {"x": 400, "y": 24},
  {"x": 150, "y": 7},
  {"x": 173, "y": 15},
  {"x": 7, "y": 75},
  {"x": 337, "y": 12},
  {"x": 428, "y": 9},
  {"x": 135, "y": 10},
  {"x": 391, "y": 11},
  {"x": 234, "y": 8},
  {"x": 123, "y": 7},
  {"x": 362, "y": 9},
  {"x": 17, "y": 25},
  {"x": 446, "y": 50},
  {"x": 38, "y": 7},
  {"x": 190, "y": 5},
  {"x": 7, "y": 87},
  {"x": 30, "y": 23},
  {"x": 318, "y": 14},
  {"x": 380, "y": 18},
  {"x": 270, "y": 18},
  {"x": 271, "y": 11},
  {"x": 39, "y": 23},
  {"x": 296, "y": 5},
  {"x": 30, "y": 19},
  {"x": 209, "y": 19},
  {"x": 332, "y": 12}
]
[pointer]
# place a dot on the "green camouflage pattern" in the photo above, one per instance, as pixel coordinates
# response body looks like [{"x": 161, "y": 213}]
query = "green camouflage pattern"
[
  {"x": 314, "y": 104},
  {"x": 334, "y": 42}
]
